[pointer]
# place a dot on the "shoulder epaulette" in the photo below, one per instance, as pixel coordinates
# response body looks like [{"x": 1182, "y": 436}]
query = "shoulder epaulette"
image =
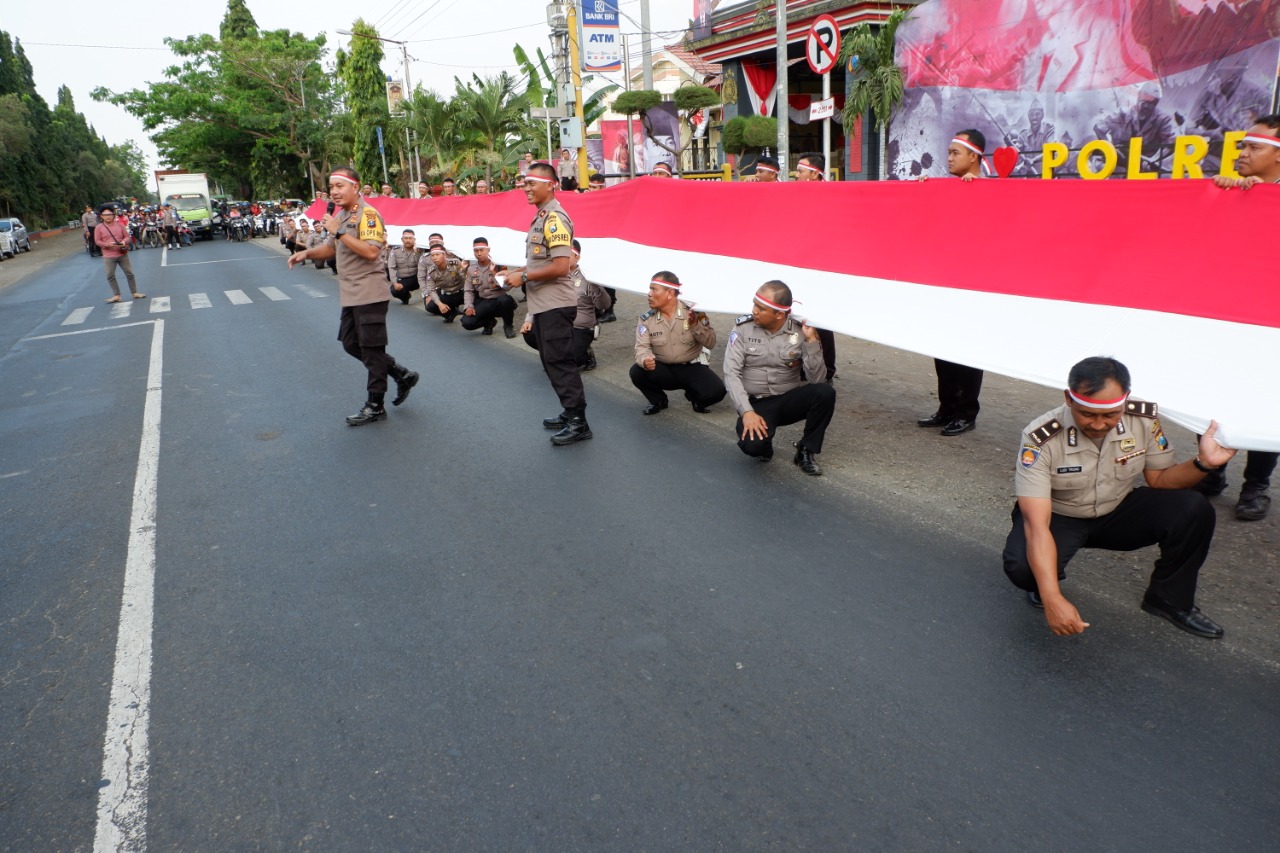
[
  {"x": 1045, "y": 431},
  {"x": 646, "y": 315},
  {"x": 1141, "y": 408},
  {"x": 745, "y": 318}
]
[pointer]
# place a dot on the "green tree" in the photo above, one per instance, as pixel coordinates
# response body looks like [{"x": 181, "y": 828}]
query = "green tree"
[
  {"x": 493, "y": 112},
  {"x": 743, "y": 135},
  {"x": 365, "y": 93},
  {"x": 688, "y": 100},
  {"x": 238, "y": 22},
  {"x": 876, "y": 83}
]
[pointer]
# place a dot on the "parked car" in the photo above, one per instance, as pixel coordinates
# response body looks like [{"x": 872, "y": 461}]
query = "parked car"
[{"x": 13, "y": 237}]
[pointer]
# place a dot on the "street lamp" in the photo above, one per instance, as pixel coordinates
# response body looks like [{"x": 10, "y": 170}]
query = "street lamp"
[{"x": 408, "y": 87}]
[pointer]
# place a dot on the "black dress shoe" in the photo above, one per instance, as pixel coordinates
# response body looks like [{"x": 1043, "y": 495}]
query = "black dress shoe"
[
  {"x": 934, "y": 420},
  {"x": 608, "y": 317},
  {"x": 508, "y": 330},
  {"x": 1192, "y": 621},
  {"x": 654, "y": 408},
  {"x": 575, "y": 429},
  {"x": 451, "y": 316},
  {"x": 804, "y": 458},
  {"x": 958, "y": 426},
  {"x": 1033, "y": 598},
  {"x": 487, "y": 330},
  {"x": 700, "y": 409},
  {"x": 555, "y": 423},
  {"x": 1253, "y": 508},
  {"x": 369, "y": 413},
  {"x": 591, "y": 364},
  {"x": 404, "y": 385}
]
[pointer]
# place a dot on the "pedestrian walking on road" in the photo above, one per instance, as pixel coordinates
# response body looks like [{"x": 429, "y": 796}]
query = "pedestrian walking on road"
[
  {"x": 359, "y": 235},
  {"x": 113, "y": 238}
]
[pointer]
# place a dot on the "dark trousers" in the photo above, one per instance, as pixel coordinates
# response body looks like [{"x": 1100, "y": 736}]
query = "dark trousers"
[
  {"x": 582, "y": 339},
  {"x": 812, "y": 403},
  {"x": 363, "y": 332},
  {"x": 453, "y": 300},
  {"x": 407, "y": 286},
  {"x": 1180, "y": 521},
  {"x": 613, "y": 297},
  {"x": 958, "y": 389},
  {"x": 501, "y": 307},
  {"x": 1258, "y": 468},
  {"x": 827, "y": 338},
  {"x": 553, "y": 331},
  {"x": 699, "y": 383}
]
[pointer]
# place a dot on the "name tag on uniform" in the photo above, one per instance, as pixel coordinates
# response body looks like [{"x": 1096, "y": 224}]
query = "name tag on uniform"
[{"x": 1074, "y": 469}]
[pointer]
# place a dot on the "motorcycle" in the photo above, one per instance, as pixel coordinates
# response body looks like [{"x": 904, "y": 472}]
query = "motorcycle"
[{"x": 241, "y": 230}]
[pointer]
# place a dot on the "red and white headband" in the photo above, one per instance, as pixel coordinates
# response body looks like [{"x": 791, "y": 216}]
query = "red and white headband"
[
  {"x": 809, "y": 168},
  {"x": 964, "y": 143},
  {"x": 662, "y": 167},
  {"x": 1262, "y": 139},
  {"x": 543, "y": 180},
  {"x": 761, "y": 167},
  {"x": 664, "y": 283},
  {"x": 337, "y": 177},
  {"x": 775, "y": 306},
  {"x": 1089, "y": 402}
]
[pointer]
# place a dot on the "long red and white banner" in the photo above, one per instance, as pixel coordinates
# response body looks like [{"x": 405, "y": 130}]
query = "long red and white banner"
[{"x": 1024, "y": 278}]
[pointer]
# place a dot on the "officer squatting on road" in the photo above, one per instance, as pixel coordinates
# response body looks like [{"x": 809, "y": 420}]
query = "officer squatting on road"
[
  {"x": 485, "y": 300},
  {"x": 762, "y": 372},
  {"x": 553, "y": 300},
  {"x": 359, "y": 236},
  {"x": 1075, "y": 484},
  {"x": 402, "y": 266},
  {"x": 670, "y": 339}
]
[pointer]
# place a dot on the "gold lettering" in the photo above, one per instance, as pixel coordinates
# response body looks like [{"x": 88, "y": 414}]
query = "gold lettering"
[
  {"x": 1135, "y": 162},
  {"x": 1231, "y": 152},
  {"x": 1109, "y": 160},
  {"x": 1055, "y": 154},
  {"x": 1188, "y": 151}
]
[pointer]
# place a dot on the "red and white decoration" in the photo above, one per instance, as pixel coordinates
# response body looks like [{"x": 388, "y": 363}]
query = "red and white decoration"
[{"x": 1023, "y": 278}]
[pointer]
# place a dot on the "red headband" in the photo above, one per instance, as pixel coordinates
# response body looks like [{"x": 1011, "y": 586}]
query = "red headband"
[
  {"x": 775, "y": 306},
  {"x": 1262, "y": 139},
  {"x": 1097, "y": 404},
  {"x": 760, "y": 166},
  {"x": 664, "y": 283}
]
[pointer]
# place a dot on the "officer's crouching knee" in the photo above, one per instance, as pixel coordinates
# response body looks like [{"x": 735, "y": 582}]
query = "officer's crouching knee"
[{"x": 755, "y": 447}]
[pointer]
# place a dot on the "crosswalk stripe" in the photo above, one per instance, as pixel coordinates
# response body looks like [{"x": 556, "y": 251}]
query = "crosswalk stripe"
[
  {"x": 311, "y": 291},
  {"x": 275, "y": 294},
  {"x": 121, "y": 310},
  {"x": 159, "y": 305},
  {"x": 76, "y": 317},
  {"x": 199, "y": 300},
  {"x": 238, "y": 297}
]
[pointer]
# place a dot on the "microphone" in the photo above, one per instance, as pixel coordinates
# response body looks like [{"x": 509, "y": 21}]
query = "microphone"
[{"x": 330, "y": 209}]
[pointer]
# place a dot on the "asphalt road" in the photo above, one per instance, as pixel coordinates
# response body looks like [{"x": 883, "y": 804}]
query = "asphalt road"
[{"x": 440, "y": 633}]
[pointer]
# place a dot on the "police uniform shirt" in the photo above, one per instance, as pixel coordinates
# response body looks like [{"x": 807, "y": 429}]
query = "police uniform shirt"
[
  {"x": 89, "y": 219},
  {"x": 361, "y": 281},
  {"x": 758, "y": 363},
  {"x": 672, "y": 341},
  {"x": 318, "y": 237},
  {"x": 1057, "y": 461},
  {"x": 436, "y": 280},
  {"x": 288, "y": 228},
  {"x": 403, "y": 263},
  {"x": 591, "y": 299},
  {"x": 481, "y": 284},
  {"x": 550, "y": 236}
]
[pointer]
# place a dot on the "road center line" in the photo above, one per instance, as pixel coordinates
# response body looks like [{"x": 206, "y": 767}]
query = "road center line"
[{"x": 122, "y": 795}]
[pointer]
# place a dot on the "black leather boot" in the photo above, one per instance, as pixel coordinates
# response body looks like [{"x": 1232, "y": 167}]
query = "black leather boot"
[
  {"x": 575, "y": 429},
  {"x": 371, "y": 412},
  {"x": 404, "y": 384}
]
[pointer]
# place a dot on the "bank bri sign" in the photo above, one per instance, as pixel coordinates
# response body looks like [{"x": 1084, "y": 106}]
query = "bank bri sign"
[{"x": 601, "y": 37}]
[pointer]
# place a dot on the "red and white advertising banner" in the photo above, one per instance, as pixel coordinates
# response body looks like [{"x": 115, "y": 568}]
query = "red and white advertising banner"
[
  {"x": 1023, "y": 278},
  {"x": 1031, "y": 72}
]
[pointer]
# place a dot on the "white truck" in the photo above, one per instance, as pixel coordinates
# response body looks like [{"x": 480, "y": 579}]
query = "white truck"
[{"x": 188, "y": 192}]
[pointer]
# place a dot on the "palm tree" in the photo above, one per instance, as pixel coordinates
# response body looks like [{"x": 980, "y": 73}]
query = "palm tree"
[
  {"x": 490, "y": 112},
  {"x": 877, "y": 82}
]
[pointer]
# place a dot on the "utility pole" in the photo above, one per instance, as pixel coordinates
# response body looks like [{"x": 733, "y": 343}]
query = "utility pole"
[
  {"x": 780, "y": 101},
  {"x": 646, "y": 46},
  {"x": 577, "y": 91},
  {"x": 626, "y": 71},
  {"x": 408, "y": 87},
  {"x": 558, "y": 18}
]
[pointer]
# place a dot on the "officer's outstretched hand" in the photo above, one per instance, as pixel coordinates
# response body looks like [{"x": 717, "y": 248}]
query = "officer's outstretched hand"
[
  {"x": 1063, "y": 618},
  {"x": 810, "y": 333},
  {"x": 297, "y": 258},
  {"x": 754, "y": 426},
  {"x": 1211, "y": 453}
]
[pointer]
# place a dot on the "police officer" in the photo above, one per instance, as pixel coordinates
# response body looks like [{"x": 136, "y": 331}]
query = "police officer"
[
  {"x": 670, "y": 339},
  {"x": 484, "y": 300},
  {"x": 1075, "y": 484},
  {"x": 1258, "y": 163},
  {"x": 762, "y": 373},
  {"x": 362, "y": 292},
  {"x": 958, "y": 384},
  {"x": 767, "y": 169},
  {"x": 553, "y": 301},
  {"x": 90, "y": 221},
  {"x": 442, "y": 277},
  {"x": 402, "y": 267}
]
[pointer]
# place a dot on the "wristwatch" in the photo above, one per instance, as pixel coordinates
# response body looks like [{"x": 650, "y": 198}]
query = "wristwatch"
[{"x": 1203, "y": 468}]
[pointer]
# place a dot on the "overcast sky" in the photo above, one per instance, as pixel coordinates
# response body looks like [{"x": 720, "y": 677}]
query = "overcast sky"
[{"x": 76, "y": 44}]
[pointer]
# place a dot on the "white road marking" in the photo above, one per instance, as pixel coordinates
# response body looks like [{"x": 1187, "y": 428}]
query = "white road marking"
[
  {"x": 159, "y": 305},
  {"x": 199, "y": 300},
  {"x": 238, "y": 297},
  {"x": 120, "y": 310},
  {"x": 89, "y": 331},
  {"x": 275, "y": 294},
  {"x": 76, "y": 317},
  {"x": 222, "y": 261},
  {"x": 311, "y": 291},
  {"x": 122, "y": 797},
  {"x": 14, "y": 474},
  {"x": 164, "y": 256}
]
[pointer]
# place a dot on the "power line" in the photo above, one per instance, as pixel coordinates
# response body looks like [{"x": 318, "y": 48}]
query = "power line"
[
  {"x": 390, "y": 13},
  {"x": 433, "y": 19},
  {"x": 477, "y": 35},
  {"x": 90, "y": 46},
  {"x": 420, "y": 15}
]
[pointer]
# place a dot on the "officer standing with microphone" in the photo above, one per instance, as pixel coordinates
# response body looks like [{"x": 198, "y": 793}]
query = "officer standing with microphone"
[{"x": 359, "y": 235}]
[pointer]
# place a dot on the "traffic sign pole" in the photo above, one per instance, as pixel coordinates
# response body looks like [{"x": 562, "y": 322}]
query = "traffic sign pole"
[{"x": 822, "y": 46}]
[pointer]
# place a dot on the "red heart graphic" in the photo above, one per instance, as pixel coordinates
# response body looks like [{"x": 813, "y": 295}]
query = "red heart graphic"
[{"x": 1005, "y": 160}]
